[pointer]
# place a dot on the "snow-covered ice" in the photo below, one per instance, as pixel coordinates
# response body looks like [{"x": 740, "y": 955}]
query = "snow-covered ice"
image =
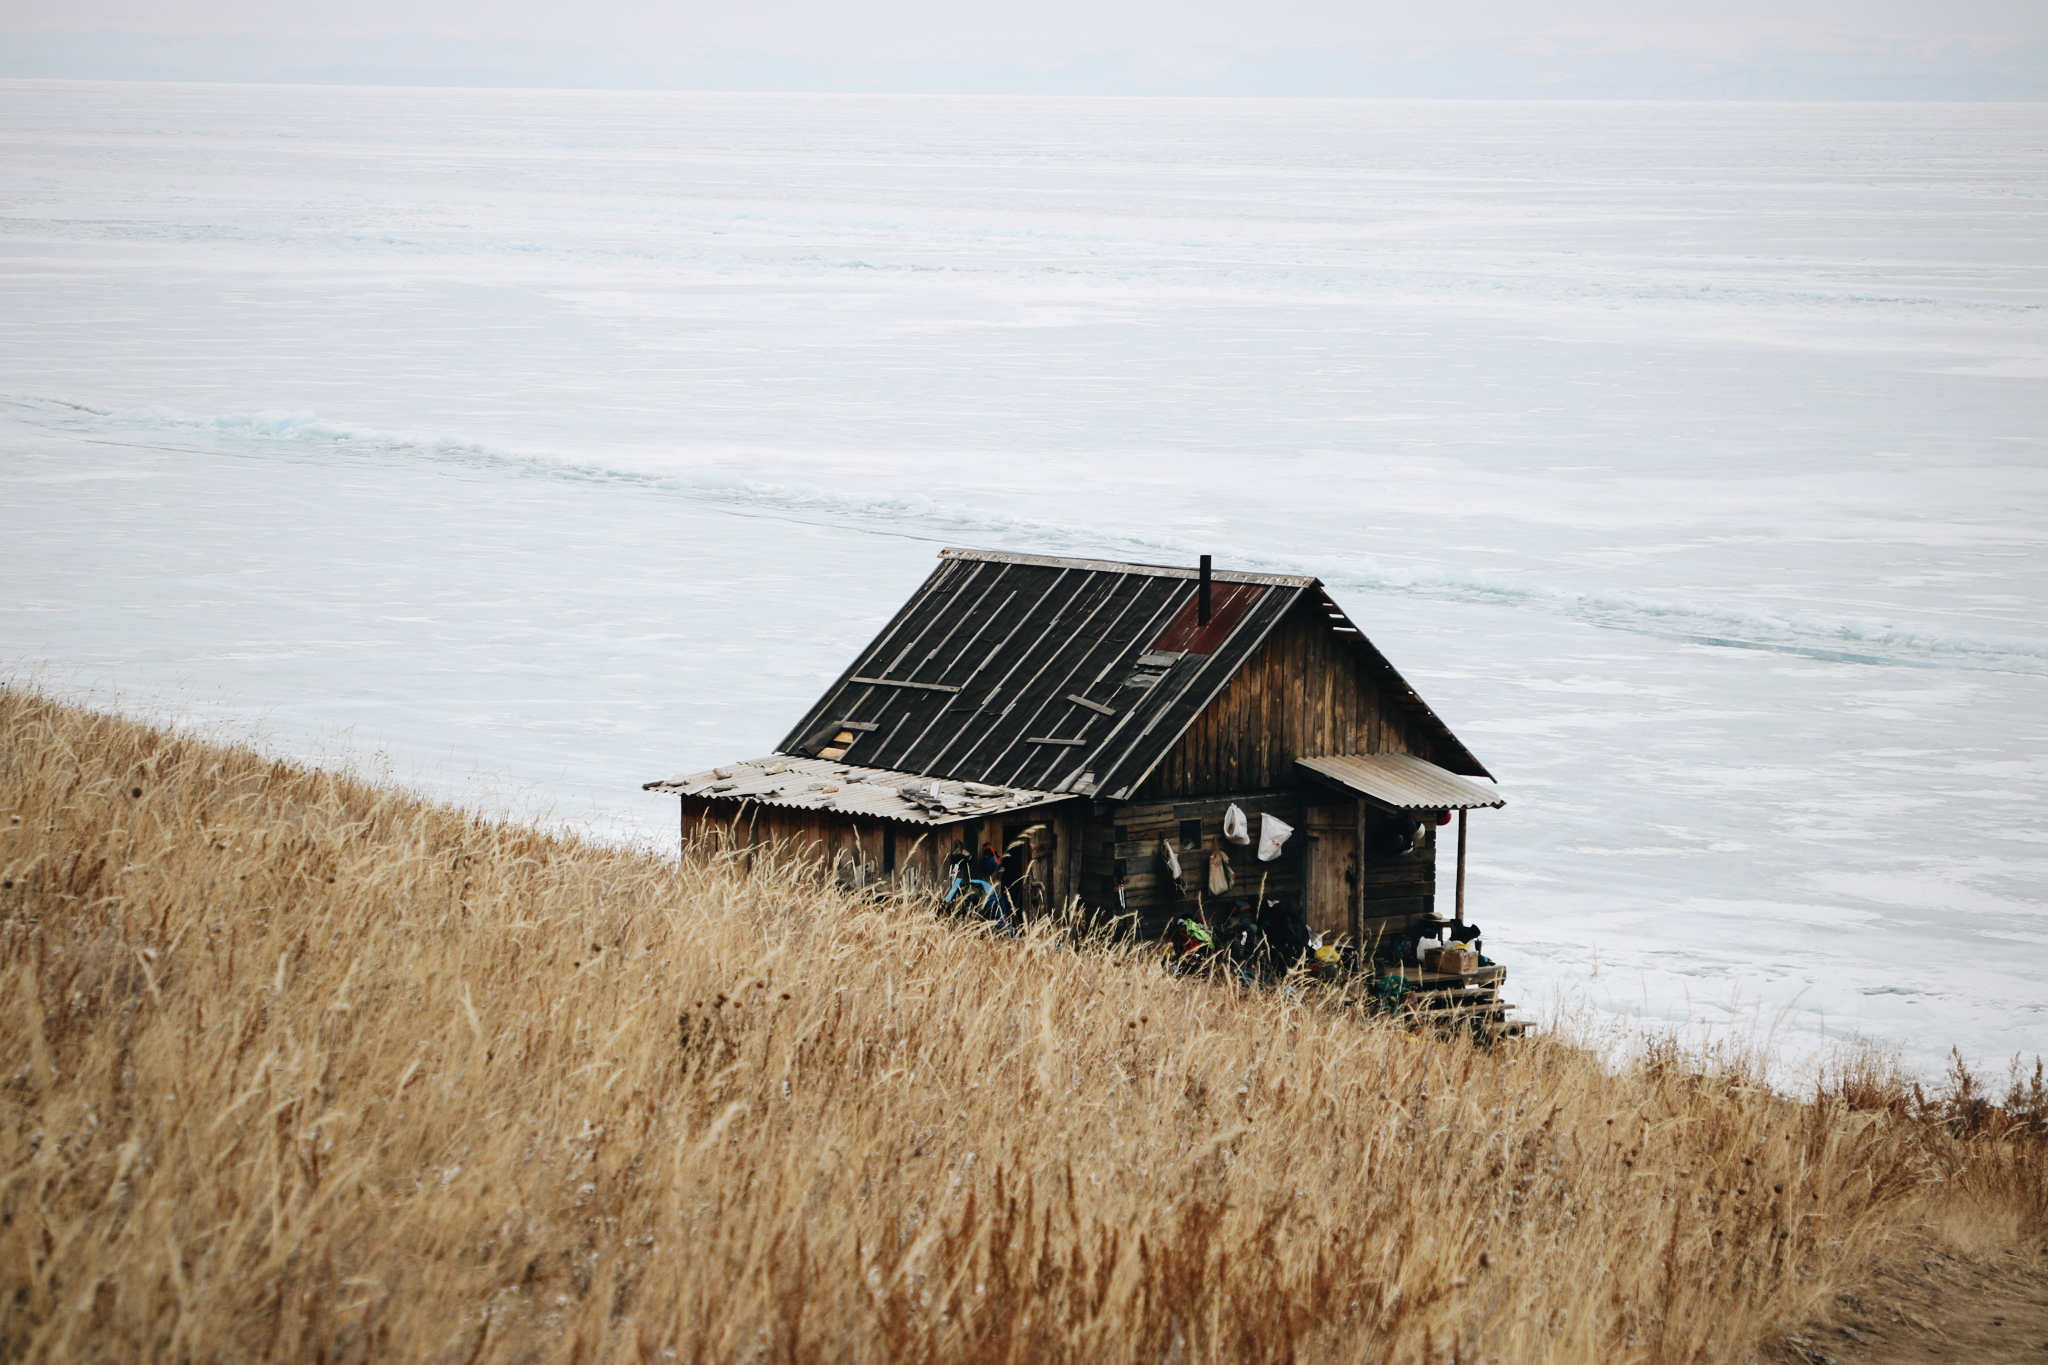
[{"x": 1689, "y": 458}]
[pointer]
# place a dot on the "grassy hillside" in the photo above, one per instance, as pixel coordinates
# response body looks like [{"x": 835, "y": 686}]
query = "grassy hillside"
[{"x": 301, "y": 1069}]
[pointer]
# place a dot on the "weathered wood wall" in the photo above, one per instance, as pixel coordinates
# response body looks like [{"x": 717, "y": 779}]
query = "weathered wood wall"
[
  {"x": 1302, "y": 694},
  {"x": 853, "y": 848},
  {"x": 1393, "y": 887},
  {"x": 1131, "y": 833},
  {"x": 1387, "y": 887}
]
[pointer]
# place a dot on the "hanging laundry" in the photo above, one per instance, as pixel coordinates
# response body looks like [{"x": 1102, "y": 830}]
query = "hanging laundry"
[
  {"x": 1272, "y": 834},
  {"x": 1171, "y": 859},
  {"x": 1219, "y": 872}
]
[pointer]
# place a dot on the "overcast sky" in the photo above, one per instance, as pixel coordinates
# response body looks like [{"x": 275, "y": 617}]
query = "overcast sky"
[
  {"x": 946, "y": 28},
  {"x": 1191, "y": 39}
]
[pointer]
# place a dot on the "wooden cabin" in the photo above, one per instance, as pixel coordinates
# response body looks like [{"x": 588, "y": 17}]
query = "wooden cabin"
[{"x": 1088, "y": 716}]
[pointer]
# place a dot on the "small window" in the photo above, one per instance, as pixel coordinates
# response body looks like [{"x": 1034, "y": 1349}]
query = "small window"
[
  {"x": 888, "y": 846},
  {"x": 1190, "y": 834}
]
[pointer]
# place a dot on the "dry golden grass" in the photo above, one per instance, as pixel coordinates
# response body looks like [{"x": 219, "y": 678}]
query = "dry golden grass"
[{"x": 302, "y": 1069}]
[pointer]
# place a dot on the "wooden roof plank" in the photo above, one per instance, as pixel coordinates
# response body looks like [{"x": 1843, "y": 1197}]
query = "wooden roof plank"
[
  {"x": 1082, "y": 649},
  {"x": 1035, "y": 624},
  {"x": 1124, "y": 653}
]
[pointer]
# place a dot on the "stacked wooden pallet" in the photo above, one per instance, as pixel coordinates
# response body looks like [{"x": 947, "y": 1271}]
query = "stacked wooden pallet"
[{"x": 1461, "y": 999}]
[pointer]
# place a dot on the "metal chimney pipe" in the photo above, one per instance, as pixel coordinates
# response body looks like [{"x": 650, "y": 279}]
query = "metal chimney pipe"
[{"x": 1202, "y": 596}]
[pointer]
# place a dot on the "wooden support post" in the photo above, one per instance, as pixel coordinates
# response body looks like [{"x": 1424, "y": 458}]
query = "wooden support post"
[
  {"x": 1358, "y": 872},
  {"x": 1461, "y": 866}
]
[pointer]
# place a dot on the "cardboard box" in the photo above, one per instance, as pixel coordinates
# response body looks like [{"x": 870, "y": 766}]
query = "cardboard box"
[{"x": 1453, "y": 961}]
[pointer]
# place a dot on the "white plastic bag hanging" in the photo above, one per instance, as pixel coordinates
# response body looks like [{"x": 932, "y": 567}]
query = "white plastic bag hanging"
[
  {"x": 1234, "y": 826},
  {"x": 1272, "y": 834},
  {"x": 1219, "y": 872},
  {"x": 1171, "y": 859}
]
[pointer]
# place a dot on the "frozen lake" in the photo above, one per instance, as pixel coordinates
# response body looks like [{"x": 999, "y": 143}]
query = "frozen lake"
[{"x": 1688, "y": 458}]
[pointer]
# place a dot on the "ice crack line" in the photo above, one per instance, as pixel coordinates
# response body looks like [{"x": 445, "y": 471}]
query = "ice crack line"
[{"x": 1817, "y": 634}]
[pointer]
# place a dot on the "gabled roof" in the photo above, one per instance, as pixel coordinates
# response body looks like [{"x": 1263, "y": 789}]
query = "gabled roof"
[{"x": 1063, "y": 675}]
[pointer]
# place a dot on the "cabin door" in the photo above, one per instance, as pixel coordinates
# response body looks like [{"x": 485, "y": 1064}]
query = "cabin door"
[{"x": 1332, "y": 867}]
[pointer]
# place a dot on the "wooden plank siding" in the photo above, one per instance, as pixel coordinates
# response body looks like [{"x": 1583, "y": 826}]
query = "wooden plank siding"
[
  {"x": 1149, "y": 895},
  {"x": 1301, "y": 694},
  {"x": 1402, "y": 887},
  {"x": 830, "y": 840}
]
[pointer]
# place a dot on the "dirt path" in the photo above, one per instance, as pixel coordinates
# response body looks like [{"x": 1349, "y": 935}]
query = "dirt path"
[{"x": 1937, "y": 1310}]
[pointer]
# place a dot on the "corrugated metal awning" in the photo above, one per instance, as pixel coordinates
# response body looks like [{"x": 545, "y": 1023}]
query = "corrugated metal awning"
[
  {"x": 816, "y": 784},
  {"x": 1404, "y": 782}
]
